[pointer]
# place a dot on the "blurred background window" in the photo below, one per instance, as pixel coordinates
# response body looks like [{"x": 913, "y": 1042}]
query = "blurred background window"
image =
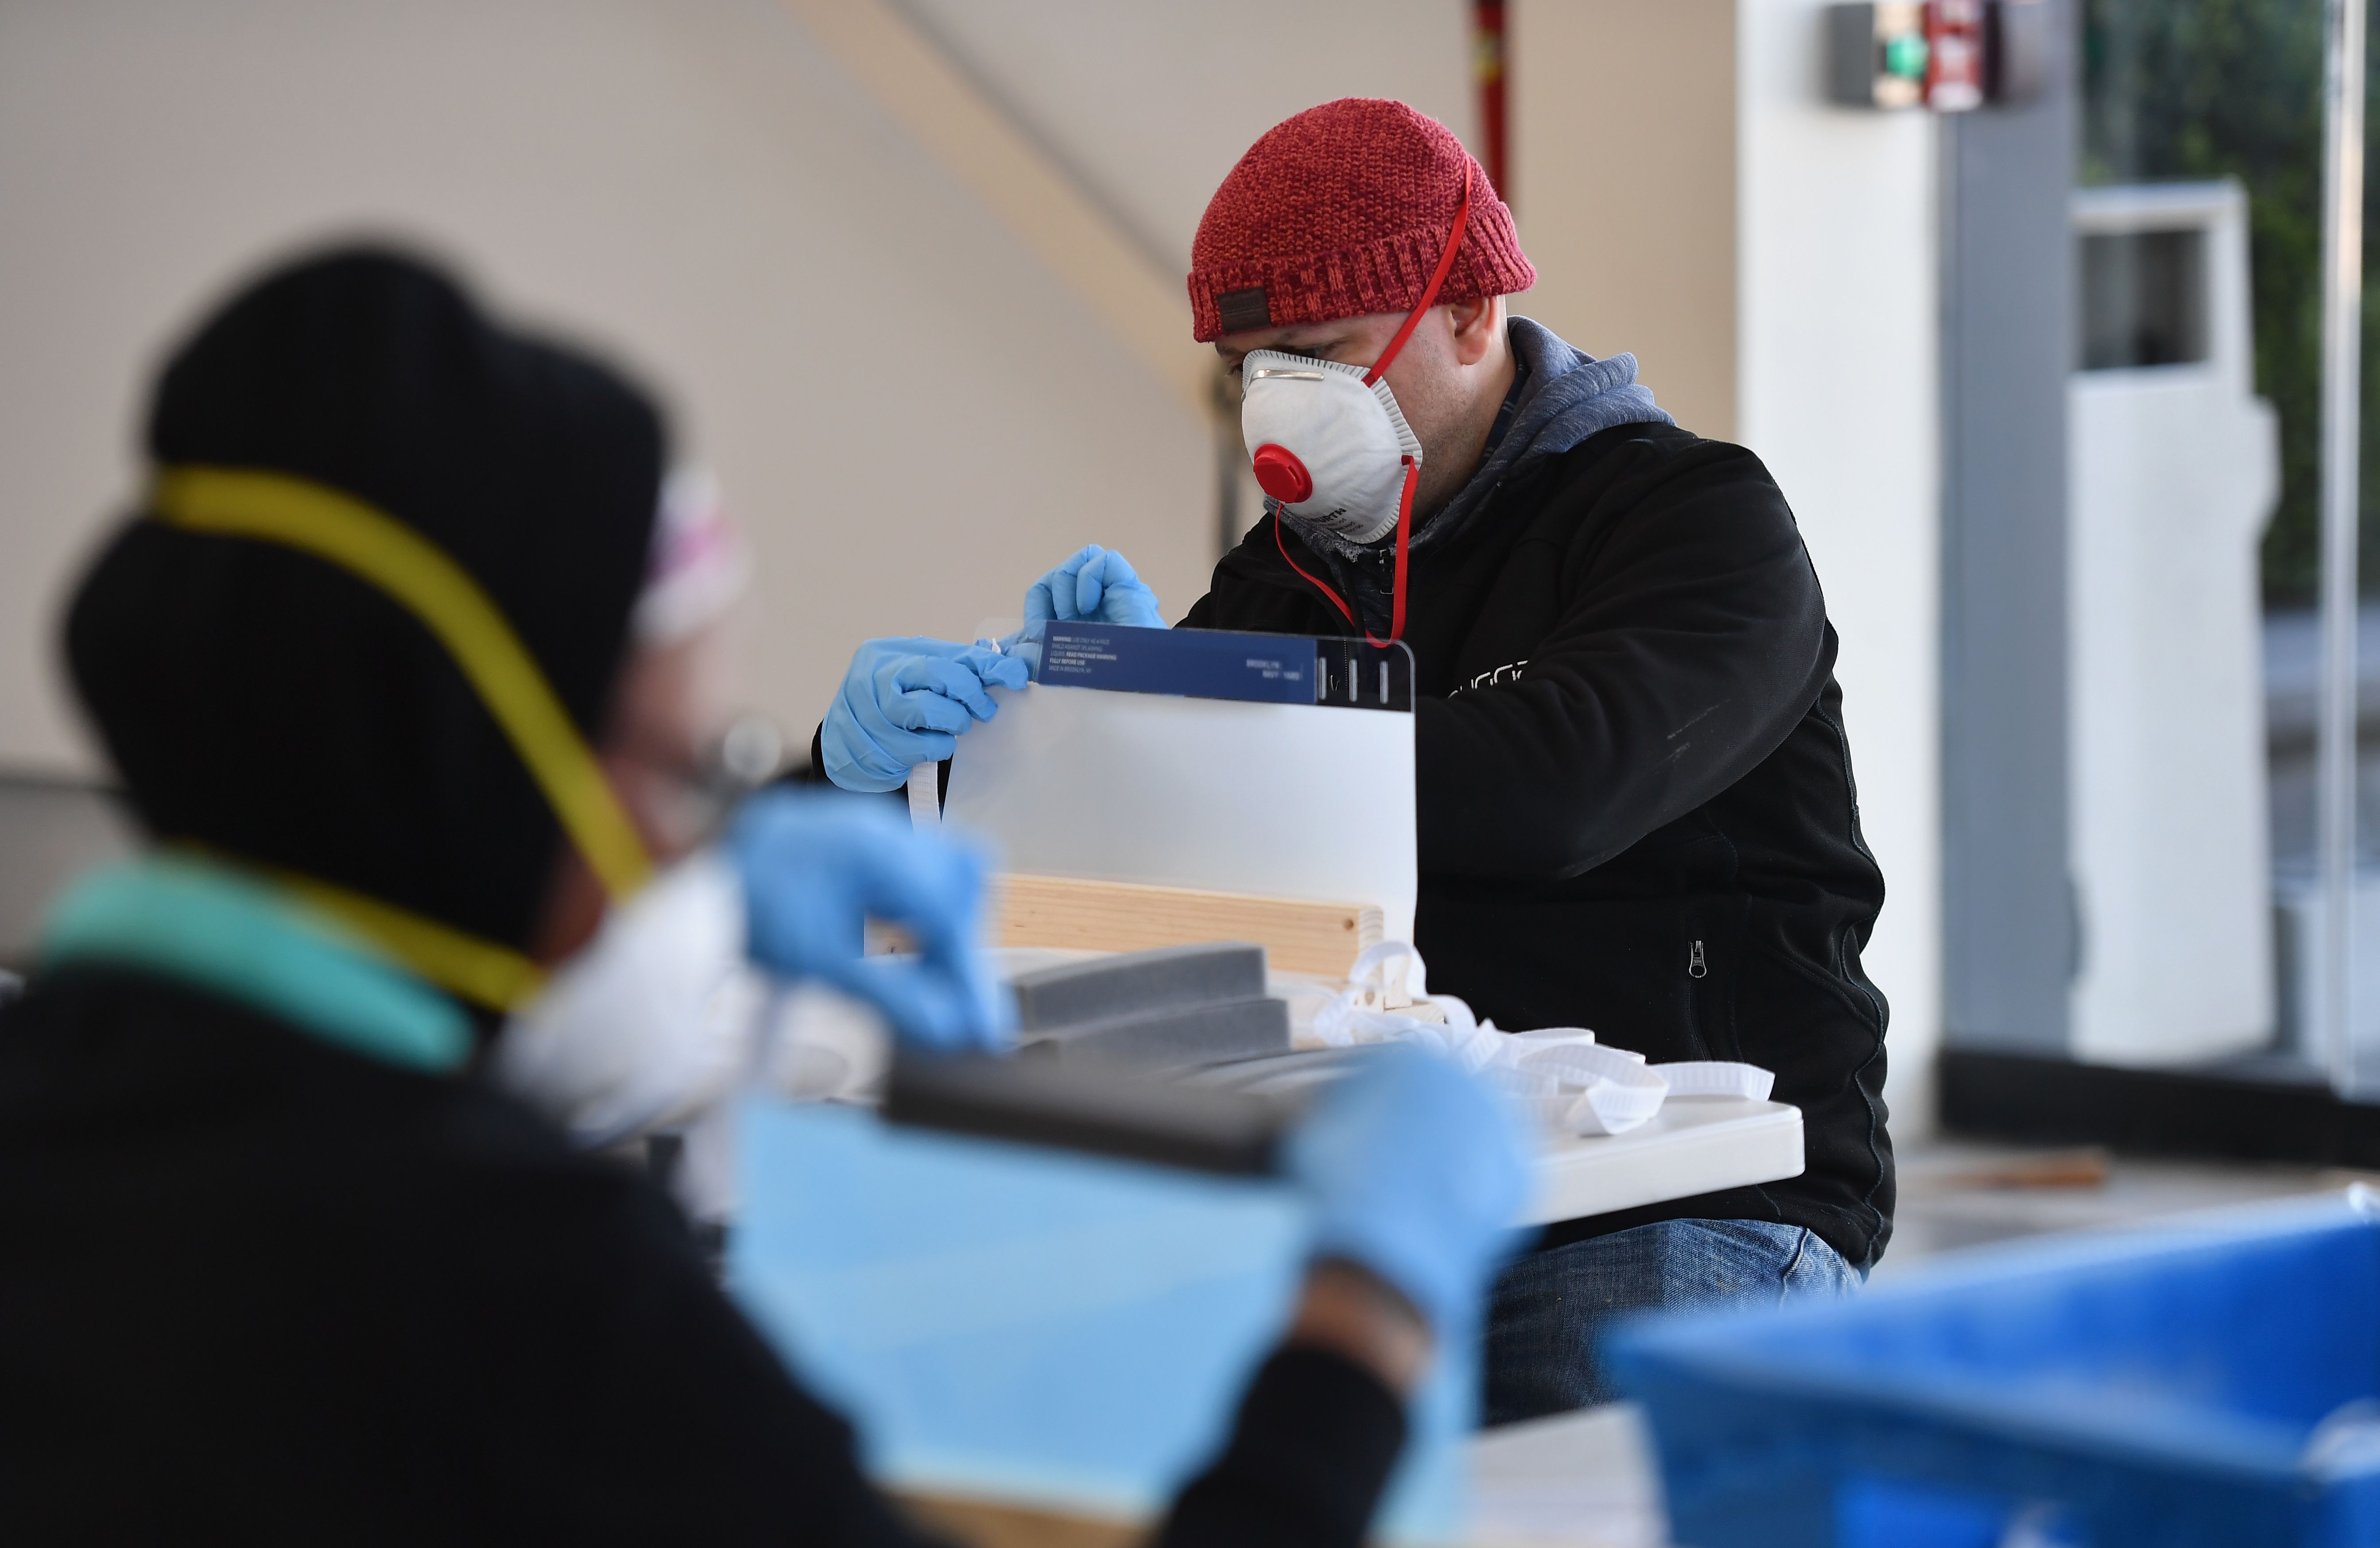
[
  {"x": 2200, "y": 90},
  {"x": 2216, "y": 93},
  {"x": 2144, "y": 300}
]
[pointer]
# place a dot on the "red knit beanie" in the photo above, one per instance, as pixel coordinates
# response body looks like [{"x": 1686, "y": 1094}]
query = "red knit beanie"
[{"x": 1341, "y": 210}]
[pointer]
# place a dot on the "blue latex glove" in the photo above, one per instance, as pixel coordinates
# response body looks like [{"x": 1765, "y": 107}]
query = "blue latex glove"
[
  {"x": 1096, "y": 586},
  {"x": 1416, "y": 1171},
  {"x": 816, "y": 865},
  {"x": 902, "y": 703}
]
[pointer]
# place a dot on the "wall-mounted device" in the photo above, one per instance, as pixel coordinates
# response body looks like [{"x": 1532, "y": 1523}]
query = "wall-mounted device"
[{"x": 1950, "y": 55}]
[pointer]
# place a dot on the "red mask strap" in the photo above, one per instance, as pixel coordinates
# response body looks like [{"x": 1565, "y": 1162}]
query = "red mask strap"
[
  {"x": 1445, "y": 266},
  {"x": 1404, "y": 532},
  {"x": 1396, "y": 598},
  {"x": 1336, "y": 600},
  {"x": 1413, "y": 469}
]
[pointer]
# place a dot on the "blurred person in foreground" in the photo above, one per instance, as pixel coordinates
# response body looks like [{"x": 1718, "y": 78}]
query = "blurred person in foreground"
[
  {"x": 277, "y": 1260},
  {"x": 1634, "y": 787}
]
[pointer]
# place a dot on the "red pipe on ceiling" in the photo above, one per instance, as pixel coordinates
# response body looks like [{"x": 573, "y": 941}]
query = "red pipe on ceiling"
[{"x": 1487, "y": 67}]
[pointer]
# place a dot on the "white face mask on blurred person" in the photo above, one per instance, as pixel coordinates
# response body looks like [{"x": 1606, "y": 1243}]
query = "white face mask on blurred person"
[
  {"x": 651, "y": 1022},
  {"x": 657, "y": 1025}
]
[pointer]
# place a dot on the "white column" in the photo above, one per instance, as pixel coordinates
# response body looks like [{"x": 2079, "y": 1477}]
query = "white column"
[{"x": 1838, "y": 392}]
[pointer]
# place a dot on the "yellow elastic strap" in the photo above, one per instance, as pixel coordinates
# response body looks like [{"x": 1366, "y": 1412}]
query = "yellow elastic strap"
[
  {"x": 316, "y": 519},
  {"x": 463, "y": 965}
]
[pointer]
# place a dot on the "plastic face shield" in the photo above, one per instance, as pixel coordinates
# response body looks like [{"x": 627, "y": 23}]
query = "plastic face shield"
[{"x": 1009, "y": 1321}]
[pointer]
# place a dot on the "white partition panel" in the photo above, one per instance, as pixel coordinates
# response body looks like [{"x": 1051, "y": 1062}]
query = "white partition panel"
[{"x": 1285, "y": 799}]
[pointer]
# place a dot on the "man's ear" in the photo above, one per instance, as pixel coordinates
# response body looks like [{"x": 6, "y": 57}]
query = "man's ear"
[{"x": 1474, "y": 326}]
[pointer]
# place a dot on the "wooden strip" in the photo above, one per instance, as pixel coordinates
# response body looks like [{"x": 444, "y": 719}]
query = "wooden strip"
[
  {"x": 1003, "y": 1524},
  {"x": 1298, "y": 935}
]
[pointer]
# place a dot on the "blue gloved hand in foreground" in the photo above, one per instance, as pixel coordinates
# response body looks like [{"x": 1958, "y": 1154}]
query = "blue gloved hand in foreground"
[
  {"x": 902, "y": 703},
  {"x": 1096, "y": 586},
  {"x": 1416, "y": 1171},
  {"x": 816, "y": 865}
]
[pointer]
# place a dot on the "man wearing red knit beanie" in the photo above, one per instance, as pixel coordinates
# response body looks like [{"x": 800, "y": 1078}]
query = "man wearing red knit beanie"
[{"x": 1636, "y": 807}]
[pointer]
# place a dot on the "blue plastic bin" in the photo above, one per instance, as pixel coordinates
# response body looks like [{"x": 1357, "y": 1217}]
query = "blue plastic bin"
[{"x": 2208, "y": 1382}]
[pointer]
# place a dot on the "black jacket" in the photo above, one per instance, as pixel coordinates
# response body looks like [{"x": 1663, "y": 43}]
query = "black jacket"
[
  {"x": 1636, "y": 806},
  {"x": 255, "y": 1289}
]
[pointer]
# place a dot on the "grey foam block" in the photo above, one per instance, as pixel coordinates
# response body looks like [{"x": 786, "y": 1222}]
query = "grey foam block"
[
  {"x": 1105, "y": 1111},
  {"x": 1138, "y": 982},
  {"x": 1182, "y": 1037}
]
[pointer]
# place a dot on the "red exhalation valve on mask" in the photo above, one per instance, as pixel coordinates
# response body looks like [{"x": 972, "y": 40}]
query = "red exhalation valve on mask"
[{"x": 1281, "y": 474}]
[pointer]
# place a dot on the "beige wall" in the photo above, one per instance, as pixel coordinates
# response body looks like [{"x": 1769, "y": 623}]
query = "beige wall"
[
  {"x": 1623, "y": 128},
  {"x": 1150, "y": 104},
  {"x": 913, "y": 416}
]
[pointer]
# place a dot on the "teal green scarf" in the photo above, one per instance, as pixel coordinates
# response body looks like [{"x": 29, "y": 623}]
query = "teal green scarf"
[{"x": 188, "y": 918}]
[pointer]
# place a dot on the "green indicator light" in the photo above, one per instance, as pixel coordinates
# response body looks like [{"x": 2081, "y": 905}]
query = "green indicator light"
[{"x": 1905, "y": 55}]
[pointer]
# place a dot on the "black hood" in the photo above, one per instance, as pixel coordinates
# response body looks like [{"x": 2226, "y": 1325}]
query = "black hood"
[{"x": 269, "y": 704}]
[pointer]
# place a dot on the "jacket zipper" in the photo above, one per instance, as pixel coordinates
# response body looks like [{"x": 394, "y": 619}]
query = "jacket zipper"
[{"x": 1695, "y": 966}]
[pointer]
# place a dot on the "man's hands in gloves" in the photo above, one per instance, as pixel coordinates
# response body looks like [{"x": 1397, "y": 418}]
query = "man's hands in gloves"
[
  {"x": 1416, "y": 1171},
  {"x": 903, "y": 702},
  {"x": 1095, "y": 585},
  {"x": 815, "y": 866}
]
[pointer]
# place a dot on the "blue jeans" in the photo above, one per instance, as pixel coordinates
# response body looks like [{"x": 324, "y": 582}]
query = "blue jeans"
[{"x": 1548, "y": 1309}]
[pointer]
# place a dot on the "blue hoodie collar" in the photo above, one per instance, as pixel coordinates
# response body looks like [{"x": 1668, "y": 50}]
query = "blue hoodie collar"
[
  {"x": 1564, "y": 396},
  {"x": 1560, "y": 396}
]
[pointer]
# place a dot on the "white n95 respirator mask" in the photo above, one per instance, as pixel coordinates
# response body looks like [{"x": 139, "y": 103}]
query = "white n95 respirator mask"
[{"x": 1330, "y": 446}]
